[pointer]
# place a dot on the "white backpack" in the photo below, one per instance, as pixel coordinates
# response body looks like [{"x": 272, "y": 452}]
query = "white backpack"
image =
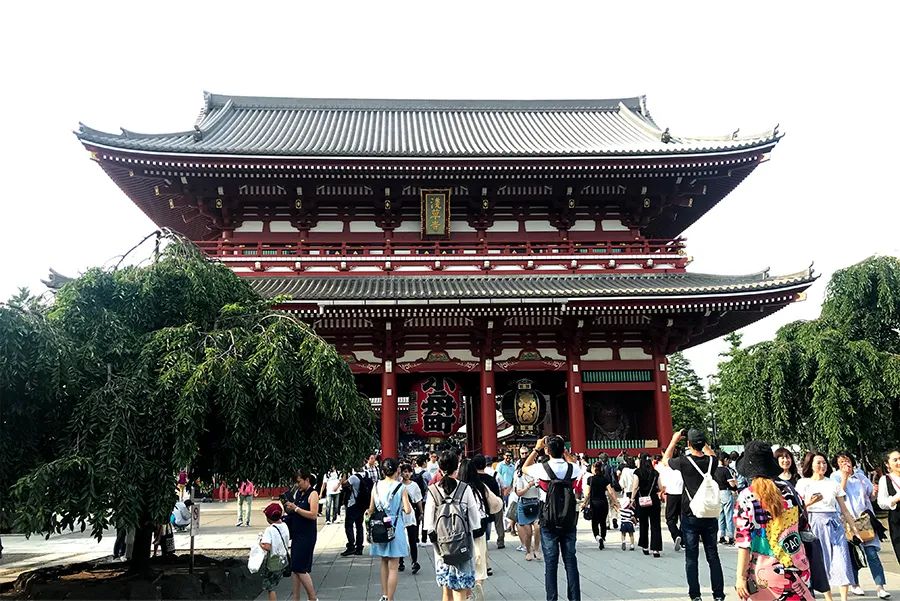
[{"x": 705, "y": 503}]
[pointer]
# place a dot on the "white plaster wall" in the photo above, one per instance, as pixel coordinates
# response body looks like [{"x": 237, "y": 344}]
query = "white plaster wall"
[
  {"x": 612, "y": 225},
  {"x": 328, "y": 227},
  {"x": 369, "y": 227},
  {"x": 536, "y": 225},
  {"x": 583, "y": 225},
  {"x": 598, "y": 354},
  {"x": 281, "y": 227},
  {"x": 250, "y": 227},
  {"x": 461, "y": 226},
  {"x": 630, "y": 353}
]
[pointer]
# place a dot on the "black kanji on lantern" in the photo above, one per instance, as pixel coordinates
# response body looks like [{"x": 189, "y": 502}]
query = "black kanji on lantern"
[{"x": 439, "y": 407}]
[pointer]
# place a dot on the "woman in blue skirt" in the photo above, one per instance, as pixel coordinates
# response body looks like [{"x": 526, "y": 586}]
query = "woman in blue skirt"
[{"x": 389, "y": 495}]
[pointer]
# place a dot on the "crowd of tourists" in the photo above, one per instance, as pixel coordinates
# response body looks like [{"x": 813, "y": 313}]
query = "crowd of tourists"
[{"x": 799, "y": 528}]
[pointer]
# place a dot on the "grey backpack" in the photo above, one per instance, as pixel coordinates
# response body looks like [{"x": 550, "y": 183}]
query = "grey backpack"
[{"x": 451, "y": 525}]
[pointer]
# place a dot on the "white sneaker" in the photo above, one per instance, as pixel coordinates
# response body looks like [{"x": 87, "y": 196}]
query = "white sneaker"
[
  {"x": 883, "y": 594},
  {"x": 520, "y": 548},
  {"x": 857, "y": 590}
]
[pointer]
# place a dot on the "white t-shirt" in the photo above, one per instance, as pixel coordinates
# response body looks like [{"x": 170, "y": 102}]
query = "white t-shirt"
[
  {"x": 333, "y": 483},
  {"x": 279, "y": 537},
  {"x": 415, "y": 495},
  {"x": 523, "y": 481},
  {"x": 626, "y": 481},
  {"x": 671, "y": 479},
  {"x": 829, "y": 490},
  {"x": 559, "y": 466}
]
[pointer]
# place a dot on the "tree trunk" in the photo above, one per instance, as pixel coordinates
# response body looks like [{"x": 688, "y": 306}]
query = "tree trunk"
[{"x": 140, "y": 555}]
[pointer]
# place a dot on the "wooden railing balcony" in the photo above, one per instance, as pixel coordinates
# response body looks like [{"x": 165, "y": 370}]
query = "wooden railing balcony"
[
  {"x": 437, "y": 249},
  {"x": 567, "y": 256}
]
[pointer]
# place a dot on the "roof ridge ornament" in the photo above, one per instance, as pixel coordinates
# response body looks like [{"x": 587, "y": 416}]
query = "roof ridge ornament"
[{"x": 666, "y": 137}]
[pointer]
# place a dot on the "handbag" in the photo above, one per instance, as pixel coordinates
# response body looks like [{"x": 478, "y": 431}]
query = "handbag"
[
  {"x": 864, "y": 525},
  {"x": 858, "y": 556},
  {"x": 382, "y": 527},
  {"x": 494, "y": 503},
  {"x": 531, "y": 507},
  {"x": 648, "y": 500},
  {"x": 168, "y": 541},
  {"x": 586, "y": 511}
]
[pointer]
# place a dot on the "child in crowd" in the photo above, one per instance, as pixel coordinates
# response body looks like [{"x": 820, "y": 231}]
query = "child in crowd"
[
  {"x": 626, "y": 522},
  {"x": 276, "y": 541}
]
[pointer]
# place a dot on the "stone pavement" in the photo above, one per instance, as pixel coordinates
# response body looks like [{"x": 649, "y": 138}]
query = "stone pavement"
[{"x": 607, "y": 574}]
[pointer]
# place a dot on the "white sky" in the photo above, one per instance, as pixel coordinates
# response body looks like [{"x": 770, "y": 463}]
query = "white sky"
[{"x": 826, "y": 72}]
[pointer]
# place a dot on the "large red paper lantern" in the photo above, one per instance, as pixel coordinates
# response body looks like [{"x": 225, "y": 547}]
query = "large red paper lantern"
[{"x": 436, "y": 404}]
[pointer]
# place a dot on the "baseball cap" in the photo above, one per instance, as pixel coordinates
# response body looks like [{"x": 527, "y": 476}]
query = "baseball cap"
[{"x": 696, "y": 436}]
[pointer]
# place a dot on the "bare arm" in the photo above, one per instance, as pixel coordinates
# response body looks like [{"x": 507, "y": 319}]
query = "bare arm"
[
  {"x": 532, "y": 457},
  {"x": 407, "y": 508},
  {"x": 740, "y": 579},
  {"x": 670, "y": 450},
  {"x": 851, "y": 521}
]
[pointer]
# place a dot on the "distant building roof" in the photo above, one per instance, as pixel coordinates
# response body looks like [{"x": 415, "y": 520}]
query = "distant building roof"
[
  {"x": 548, "y": 286},
  {"x": 247, "y": 125}
]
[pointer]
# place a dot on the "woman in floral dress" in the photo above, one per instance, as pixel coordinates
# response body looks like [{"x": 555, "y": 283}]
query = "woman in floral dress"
[{"x": 772, "y": 563}]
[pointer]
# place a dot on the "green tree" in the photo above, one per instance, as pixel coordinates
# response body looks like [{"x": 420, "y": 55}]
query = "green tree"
[
  {"x": 178, "y": 364},
  {"x": 689, "y": 403},
  {"x": 831, "y": 383}
]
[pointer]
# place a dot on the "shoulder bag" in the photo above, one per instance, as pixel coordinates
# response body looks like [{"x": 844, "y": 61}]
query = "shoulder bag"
[{"x": 382, "y": 527}]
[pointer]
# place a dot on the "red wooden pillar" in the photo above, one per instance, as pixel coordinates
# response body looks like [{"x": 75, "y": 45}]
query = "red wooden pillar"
[
  {"x": 576, "y": 407},
  {"x": 488, "y": 410},
  {"x": 389, "y": 430},
  {"x": 661, "y": 403}
]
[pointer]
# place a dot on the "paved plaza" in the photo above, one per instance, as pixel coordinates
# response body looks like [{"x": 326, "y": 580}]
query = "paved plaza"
[{"x": 607, "y": 574}]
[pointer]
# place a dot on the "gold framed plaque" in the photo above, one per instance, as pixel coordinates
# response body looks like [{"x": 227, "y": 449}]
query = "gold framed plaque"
[{"x": 435, "y": 213}]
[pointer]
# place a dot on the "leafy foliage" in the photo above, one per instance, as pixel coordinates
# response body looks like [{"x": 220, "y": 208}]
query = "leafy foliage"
[
  {"x": 169, "y": 365},
  {"x": 832, "y": 383},
  {"x": 689, "y": 405}
]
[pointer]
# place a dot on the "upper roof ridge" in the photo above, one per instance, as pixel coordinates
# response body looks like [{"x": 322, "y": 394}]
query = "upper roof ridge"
[{"x": 214, "y": 101}]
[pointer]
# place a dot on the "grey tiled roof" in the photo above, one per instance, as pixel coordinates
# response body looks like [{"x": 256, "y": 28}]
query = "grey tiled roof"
[
  {"x": 433, "y": 287},
  {"x": 242, "y": 125}
]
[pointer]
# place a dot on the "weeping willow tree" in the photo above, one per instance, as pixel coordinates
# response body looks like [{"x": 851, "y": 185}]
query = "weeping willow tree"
[
  {"x": 176, "y": 363},
  {"x": 831, "y": 383}
]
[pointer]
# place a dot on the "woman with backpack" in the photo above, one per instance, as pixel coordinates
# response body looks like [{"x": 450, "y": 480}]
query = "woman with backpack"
[
  {"x": 646, "y": 501},
  {"x": 452, "y": 519},
  {"x": 302, "y": 507},
  {"x": 389, "y": 505}
]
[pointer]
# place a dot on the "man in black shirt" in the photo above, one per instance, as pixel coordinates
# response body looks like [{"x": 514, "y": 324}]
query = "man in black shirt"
[
  {"x": 727, "y": 490},
  {"x": 697, "y": 461}
]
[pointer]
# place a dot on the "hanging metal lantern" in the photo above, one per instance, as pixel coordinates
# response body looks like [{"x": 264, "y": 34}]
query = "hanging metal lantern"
[
  {"x": 436, "y": 403},
  {"x": 525, "y": 407}
]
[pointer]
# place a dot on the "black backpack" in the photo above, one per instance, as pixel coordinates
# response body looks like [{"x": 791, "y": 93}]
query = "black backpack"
[
  {"x": 364, "y": 496},
  {"x": 418, "y": 479},
  {"x": 560, "y": 513}
]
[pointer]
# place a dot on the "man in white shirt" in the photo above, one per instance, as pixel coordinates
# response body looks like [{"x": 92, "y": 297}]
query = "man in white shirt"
[
  {"x": 671, "y": 486},
  {"x": 332, "y": 488},
  {"x": 553, "y": 542}
]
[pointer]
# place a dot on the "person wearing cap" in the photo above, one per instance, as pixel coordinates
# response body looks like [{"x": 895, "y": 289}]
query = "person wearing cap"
[
  {"x": 275, "y": 539},
  {"x": 772, "y": 561},
  {"x": 694, "y": 465}
]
